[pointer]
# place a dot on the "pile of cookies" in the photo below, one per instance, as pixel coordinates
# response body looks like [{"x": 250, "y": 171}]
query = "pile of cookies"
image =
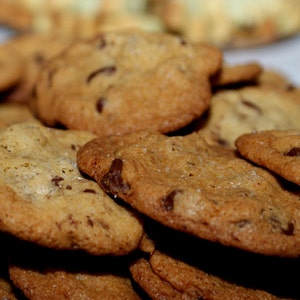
[
  {"x": 224, "y": 23},
  {"x": 138, "y": 165}
]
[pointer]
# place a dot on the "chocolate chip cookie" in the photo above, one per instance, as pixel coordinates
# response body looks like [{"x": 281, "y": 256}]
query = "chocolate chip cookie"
[
  {"x": 120, "y": 82},
  {"x": 44, "y": 198},
  {"x": 191, "y": 186},
  {"x": 277, "y": 150}
]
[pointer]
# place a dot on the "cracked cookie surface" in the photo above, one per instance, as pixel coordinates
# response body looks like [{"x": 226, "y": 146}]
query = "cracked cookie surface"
[
  {"x": 205, "y": 190},
  {"x": 125, "y": 81},
  {"x": 46, "y": 200}
]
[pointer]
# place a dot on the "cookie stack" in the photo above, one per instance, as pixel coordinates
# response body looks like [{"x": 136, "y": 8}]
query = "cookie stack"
[{"x": 138, "y": 165}]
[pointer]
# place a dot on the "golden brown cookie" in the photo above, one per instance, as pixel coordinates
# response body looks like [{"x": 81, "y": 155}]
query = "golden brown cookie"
[
  {"x": 201, "y": 189},
  {"x": 125, "y": 81},
  {"x": 169, "y": 278},
  {"x": 276, "y": 150},
  {"x": 46, "y": 200},
  {"x": 234, "y": 112},
  {"x": 46, "y": 274},
  {"x": 152, "y": 284},
  {"x": 11, "y": 67},
  {"x": 236, "y": 74}
]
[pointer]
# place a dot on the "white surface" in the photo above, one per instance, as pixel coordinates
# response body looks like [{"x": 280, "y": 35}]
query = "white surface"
[
  {"x": 283, "y": 56},
  {"x": 4, "y": 34}
]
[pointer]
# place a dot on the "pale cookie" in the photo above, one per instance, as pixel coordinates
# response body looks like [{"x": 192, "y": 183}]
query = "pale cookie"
[
  {"x": 46, "y": 200},
  {"x": 274, "y": 79},
  {"x": 205, "y": 190},
  {"x": 34, "y": 49},
  {"x": 65, "y": 16},
  {"x": 230, "y": 23},
  {"x": 42, "y": 273},
  {"x": 235, "y": 112},
  {"x": 11, "y": 68},
  {"x": 164, "y": 275},
  {"x": 276, "y": 150},
  {"x": 125, "y": 81}
]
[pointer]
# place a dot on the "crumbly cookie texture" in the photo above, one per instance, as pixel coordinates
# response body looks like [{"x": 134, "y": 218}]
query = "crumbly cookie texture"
[
  {"x": 198, "y": 188},
  {"x": 277, "y": 150},
  {"x": 125, "y": 81},
  {"x": 163, "y": 275},
  {"x": 234, "y": 112},
  {"x": 46, "y": 200}
]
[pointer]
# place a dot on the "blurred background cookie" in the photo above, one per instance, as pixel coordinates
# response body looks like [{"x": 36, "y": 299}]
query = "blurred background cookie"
[
  {"x": 230, "y": 23},
  {"x": 225, "y": 23},
  {"x": 75, "y": 17}
]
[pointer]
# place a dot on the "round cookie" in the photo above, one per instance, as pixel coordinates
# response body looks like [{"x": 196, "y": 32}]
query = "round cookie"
[
  {"x": 276, "y": 150},
  {"x": 125, "y": 81},
  {"x": 45, "y": 199},
  {"x": 191, "y": 186},
  {"x": 234, "y": 112}
]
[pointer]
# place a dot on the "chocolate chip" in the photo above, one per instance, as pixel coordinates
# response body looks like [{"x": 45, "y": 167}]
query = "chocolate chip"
[
  {"x": 183, "y": 42},
  {"x": 253, "y": 106},
  {"x": 89, "y": 191},
  {"x": 112, "y": 181},
  {"x": 243, "y": 223},
  {"x": 102, "y": 43},
  {"x": 108, "y": 70},
  {"x": 73, "y": 147},
  {"x": 222, "y": 142},
  {"x": 168, "y": 201},
  {"x": 100, "y": 104},
  {"x": 72, "y": 221},
  {"x": 90, "y": 222},
  {"x": 39, "y": 58},
  {"x": 293, "y": 152},
  {"x": 68, "y": 187},
  {"x": 287, "y": 230},
  {"x": 51, "y": 74},
  {"x": 56, "y": 180}
]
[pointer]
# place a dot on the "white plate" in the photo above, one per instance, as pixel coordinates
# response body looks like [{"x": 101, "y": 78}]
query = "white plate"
[
  {"x": 5, "y": 34},
  {"x": 282, "y": 56}
]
